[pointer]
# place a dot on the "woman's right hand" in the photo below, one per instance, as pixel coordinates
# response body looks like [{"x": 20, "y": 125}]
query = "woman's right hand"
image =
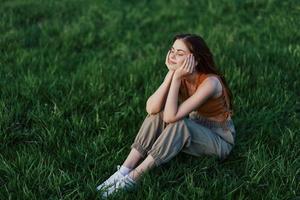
[{"x": 169, "y": 66}]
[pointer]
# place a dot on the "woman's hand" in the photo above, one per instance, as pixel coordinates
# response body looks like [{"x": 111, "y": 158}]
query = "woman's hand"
[
  {"x": 170, "y": 67},
  {"x": 187, "y": 68}
]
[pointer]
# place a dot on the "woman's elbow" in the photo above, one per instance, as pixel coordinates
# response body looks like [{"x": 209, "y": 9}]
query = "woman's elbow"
[
  {"x": 149, "y": 108},
  {"x": 167, "y": 119},
  {"x": 151, "y": 111}
]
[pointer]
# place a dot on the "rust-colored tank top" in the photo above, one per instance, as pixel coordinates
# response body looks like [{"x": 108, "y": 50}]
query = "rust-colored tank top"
[{"x": 213, "y": 107}]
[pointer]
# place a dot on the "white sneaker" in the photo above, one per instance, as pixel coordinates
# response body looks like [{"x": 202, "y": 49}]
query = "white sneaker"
[
  {"x": 125, "y": 183},
  {"x": 112, "y": 179}
]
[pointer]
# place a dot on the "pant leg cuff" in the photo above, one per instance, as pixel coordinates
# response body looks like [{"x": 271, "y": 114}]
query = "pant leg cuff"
[
  {"x": 139, "y": 148},
  {"x": 157, "y": 160}
]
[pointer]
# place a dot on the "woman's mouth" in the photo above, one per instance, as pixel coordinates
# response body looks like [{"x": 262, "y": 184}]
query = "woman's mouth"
[{"x": 173, "y": 63}]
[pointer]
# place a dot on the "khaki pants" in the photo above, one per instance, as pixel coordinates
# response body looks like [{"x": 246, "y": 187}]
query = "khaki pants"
[{"x": 164, "y": 140}]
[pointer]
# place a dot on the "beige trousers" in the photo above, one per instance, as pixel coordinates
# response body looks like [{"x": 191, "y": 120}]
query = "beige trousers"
[{"x": 164, "y": 140}]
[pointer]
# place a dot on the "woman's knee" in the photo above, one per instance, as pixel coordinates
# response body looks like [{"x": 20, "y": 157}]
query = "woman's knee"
[
  {"x": 180, "y": 122},
  {"x": 180, "y": 127}
]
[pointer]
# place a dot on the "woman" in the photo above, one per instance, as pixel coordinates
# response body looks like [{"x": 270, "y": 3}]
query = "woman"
[{"x": 190, "y": 112}]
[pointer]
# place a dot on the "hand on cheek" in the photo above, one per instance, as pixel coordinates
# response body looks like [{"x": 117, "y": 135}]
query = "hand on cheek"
[{"x": 187, "y": 67}]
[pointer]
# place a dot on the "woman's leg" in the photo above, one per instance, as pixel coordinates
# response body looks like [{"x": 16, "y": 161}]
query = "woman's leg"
[
  {"x": 146, "y": 165},
  {"x": 133, "y": 158},
  {"x": 183, "y": 135},
  {"x": 207, "y": 141},
  {"x": 169, "y": 143},
  {"x": 150, "y": 129}
]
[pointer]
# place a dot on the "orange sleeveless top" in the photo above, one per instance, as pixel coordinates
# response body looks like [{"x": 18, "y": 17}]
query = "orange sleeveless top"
[{"x": 213, "y": 107}]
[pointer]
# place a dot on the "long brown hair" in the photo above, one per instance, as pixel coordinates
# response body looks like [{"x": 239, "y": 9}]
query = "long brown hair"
[{"x": 204, "y": 57}]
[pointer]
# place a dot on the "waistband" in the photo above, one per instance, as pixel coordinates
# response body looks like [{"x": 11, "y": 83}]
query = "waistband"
[{"x": 210, "y": 123}]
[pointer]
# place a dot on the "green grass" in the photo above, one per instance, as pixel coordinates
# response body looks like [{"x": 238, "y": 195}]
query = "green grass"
[{"x": 75, "y": 77}]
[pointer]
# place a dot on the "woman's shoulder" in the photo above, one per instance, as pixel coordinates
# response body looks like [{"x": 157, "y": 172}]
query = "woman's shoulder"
[
  {"x": 203, "y": 76},
  {"x": 214, "y": 79}
]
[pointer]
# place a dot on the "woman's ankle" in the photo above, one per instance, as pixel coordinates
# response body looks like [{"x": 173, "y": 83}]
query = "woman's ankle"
[{"x": 125, "y": 170}]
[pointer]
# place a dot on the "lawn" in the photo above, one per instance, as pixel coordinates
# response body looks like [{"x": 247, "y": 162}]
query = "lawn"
[{"x": 75, "y": 77}]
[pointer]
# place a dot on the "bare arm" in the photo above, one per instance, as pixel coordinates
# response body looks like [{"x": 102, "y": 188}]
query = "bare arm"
[
  {"x": 173, "y": 112},
  {"x": 206, "y": 90},
  {"x": 157, "y": 100}
]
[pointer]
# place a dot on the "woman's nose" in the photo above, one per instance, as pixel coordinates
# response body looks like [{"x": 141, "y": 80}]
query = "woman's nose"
[{"x": 173, "y": 56}]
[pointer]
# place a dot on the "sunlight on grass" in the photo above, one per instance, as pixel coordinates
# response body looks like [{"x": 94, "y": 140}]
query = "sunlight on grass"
[{"x": 75, "y": 77}]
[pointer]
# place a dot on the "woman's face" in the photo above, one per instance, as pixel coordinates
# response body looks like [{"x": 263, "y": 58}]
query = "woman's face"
[{"x": 178, "y": 52}]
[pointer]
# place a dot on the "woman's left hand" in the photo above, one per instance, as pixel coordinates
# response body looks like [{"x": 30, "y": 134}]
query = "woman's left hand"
[{"x": 187, "y": 68}]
